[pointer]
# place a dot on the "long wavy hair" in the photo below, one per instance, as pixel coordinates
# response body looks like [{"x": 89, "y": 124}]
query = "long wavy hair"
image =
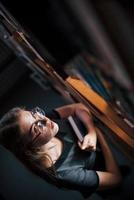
[{"x": 31, "y": 156}]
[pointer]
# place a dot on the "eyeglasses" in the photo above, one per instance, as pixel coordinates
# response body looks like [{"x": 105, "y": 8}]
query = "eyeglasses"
[{"x": 39, "y": 124}]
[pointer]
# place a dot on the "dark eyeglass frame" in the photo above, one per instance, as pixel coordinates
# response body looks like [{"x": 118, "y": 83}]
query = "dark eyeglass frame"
[{"x": 34, "y": 112}]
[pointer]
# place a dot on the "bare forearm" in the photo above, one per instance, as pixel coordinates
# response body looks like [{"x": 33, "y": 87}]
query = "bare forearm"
[
  {"x": 85, "y": 116},
  {"x": 111, "y": 165},
  {"x": 67, "y": 110}
]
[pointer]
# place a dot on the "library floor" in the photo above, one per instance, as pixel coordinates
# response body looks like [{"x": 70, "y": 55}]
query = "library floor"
[{"x": 30, "y": 94}]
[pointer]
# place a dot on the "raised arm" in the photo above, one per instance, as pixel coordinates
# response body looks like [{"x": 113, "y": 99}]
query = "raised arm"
[
  {"x": 67, "y": 110},
  {"x": 111, "y": 177}
]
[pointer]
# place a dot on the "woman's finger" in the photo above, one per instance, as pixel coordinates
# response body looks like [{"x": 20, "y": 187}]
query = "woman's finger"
[{"x": 86, "y": 143}]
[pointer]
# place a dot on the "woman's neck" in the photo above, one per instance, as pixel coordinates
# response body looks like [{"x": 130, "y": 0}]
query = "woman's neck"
[
  {"x": 51, "y": 144},
  {"x": 53, "y": 149}
]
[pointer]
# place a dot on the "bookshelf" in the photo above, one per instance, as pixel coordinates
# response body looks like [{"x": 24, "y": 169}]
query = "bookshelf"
[{"x": 84, "y": 83}]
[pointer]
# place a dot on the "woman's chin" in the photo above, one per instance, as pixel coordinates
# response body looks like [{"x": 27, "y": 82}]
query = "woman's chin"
[{"x": 56, "y": 128}]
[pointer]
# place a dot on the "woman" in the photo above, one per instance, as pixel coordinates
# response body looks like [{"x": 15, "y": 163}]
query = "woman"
[{"x": 35, "y": 138}]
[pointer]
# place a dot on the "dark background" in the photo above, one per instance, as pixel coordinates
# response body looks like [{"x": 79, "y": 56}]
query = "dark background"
[{"x": 57, "y": 26}]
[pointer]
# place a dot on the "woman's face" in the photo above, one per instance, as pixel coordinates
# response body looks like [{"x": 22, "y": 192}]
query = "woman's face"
[{"x": 37, "y": 128}]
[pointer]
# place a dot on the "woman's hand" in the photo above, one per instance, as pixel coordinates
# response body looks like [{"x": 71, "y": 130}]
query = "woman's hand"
[{"x": 89, "y": 142}]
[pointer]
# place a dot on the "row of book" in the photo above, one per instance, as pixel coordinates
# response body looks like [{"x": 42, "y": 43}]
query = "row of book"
[{"x": 86, "y": 67}]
